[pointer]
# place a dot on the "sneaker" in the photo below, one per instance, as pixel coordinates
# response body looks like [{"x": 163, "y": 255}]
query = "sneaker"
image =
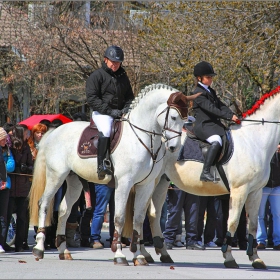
[
  {"x": 178, "y": 243},
  {"x": 276, "y": 247},
  {"x": 211, "y": 244},
  {"x": 169, "y": 245},
  {"x": 200, "y": 243},
  {"x": 1, "y": 250},
  {"x": 260, "y": 246},
  {"x": 195, "y": 246},
  {"x": 96, "y": 245}
]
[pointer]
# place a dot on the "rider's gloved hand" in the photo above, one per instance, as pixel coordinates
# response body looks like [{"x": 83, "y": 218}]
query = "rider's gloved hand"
[{"x": 115, "y": 113}]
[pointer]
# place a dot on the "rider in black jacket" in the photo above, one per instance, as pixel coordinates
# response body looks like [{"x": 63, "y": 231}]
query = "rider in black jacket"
[
  {"x": 208, "y": 110},
  {"x": 109, "y": 94}
]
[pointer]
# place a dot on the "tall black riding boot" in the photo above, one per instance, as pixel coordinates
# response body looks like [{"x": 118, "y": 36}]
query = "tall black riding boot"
[
  {"x": 209, "y": 160},
  {"x": 103, "y": 161}
]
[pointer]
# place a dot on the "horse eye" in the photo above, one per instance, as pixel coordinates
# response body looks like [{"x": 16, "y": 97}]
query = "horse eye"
[{"x": 173, "y": 118}]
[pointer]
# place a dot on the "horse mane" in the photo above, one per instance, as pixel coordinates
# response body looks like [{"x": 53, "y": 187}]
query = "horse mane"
[
  {"x": 146, "y": 90},
  {"x": 261, "y": 101}
]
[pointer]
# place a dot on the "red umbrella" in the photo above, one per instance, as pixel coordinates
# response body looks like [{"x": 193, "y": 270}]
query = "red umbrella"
[{"x": 31, "y": 121}]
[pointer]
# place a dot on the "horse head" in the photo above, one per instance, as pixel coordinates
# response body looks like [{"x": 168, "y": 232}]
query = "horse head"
[{"x": 177, "y": 109}]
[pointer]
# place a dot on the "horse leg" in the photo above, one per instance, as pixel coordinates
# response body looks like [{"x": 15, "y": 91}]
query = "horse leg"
[
  {"x": 236, "y": 203},
  {"x": 142, "y": 198},
  {"x": 154, "y": 214},
  {"x": 74, "y": 188},
  {"x": 252, "y": 207},
  {"x": 121, "y": 199},
  {"x": 45, "y": 207}
]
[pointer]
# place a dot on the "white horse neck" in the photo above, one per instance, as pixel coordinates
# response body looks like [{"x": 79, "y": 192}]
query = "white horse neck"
[
  {"x": 262, "y": 137},
  {"x": 144, "y": 112}
]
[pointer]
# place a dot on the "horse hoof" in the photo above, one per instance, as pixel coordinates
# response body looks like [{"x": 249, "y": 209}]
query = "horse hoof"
[
  {"x": 65, "y": 256},
  {"x": 149, "y": 259},
  {"x": 166, "y": 259},
  {"x": 231, "y": 264},
  {"x": 121, "y": 261},
  {"x": 139, "y": 261},
  {"x": 259, "y": 264},
  {"x": 39, "y": 254}
]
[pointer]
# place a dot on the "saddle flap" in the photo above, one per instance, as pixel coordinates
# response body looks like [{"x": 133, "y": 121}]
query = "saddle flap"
[{"x": 87, "y": 146}]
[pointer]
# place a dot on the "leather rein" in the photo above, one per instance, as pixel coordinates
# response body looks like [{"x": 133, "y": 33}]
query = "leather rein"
[{"x": 153, "y": 154}]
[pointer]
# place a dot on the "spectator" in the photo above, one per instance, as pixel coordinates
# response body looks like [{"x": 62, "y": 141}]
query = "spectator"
[
  {"x": 207, "y": 232},
  {"x": 103, "y": 194},
  {"x": 38, "y": 130},
  {"x": 21, "y": 183},
  {"x": 46, "y": 122},
  {"x": 178, "y": 200},
  {"x": 8, "y": 128},
  {"x": 7, "y": 164},
  {"x": 271, "y": 193}
]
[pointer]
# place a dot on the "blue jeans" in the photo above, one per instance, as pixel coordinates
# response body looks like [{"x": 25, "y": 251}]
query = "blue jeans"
[
  {"x": 273, "y": 196},
  {"x": 103, "y": 194}
]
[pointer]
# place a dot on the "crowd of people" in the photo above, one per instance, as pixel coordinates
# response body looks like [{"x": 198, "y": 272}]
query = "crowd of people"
[{"x": 109, "y": 94}]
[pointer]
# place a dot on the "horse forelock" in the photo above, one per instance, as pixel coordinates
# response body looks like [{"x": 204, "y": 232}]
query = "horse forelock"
[
  {"x": 260, "y": 102},
  {"x": 148, "y": 89}
]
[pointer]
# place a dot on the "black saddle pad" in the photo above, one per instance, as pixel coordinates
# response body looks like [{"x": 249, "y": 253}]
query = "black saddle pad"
[{"x": 191, "y": 150}]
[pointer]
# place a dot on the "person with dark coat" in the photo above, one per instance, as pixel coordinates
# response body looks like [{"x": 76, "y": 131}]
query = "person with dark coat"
[
  {"x": 271, "y": 194},
  {"x": 20, "y": 185},
  {"x": 208, "y": 110},
  {"x": 109, "y": 94}
]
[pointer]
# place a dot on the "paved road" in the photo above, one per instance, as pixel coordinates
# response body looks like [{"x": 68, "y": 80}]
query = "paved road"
[{"x": 98, "y": 264}]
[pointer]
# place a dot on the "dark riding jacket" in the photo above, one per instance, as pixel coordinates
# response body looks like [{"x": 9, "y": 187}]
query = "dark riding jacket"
[
  {"x": 208, "y": 110},
  {"x": 107, "y": 90}
]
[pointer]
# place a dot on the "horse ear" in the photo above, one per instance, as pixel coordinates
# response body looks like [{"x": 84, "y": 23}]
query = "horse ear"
[{"x": 192, "y": 97}]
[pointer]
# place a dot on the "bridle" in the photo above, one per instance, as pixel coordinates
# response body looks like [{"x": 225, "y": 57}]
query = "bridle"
[{"x": 154, "y": 154}]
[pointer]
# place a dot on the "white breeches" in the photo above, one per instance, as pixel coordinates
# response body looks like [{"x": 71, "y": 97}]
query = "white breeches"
[
  {"x": 214, "y": 138},
  {"x": 103, "y": 123}
]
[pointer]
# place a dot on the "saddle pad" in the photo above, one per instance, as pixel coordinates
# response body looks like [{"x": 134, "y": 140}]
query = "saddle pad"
[
  {"x": 191, "y": 150},
  {"x": 87, "y": 146}
]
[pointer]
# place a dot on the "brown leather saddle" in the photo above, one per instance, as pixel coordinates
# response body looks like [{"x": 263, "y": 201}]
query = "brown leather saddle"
[{"x": 87, "y": 146}]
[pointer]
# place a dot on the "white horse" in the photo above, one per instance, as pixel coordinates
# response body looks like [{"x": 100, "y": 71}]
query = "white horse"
[
  {"x": 255, "y": 142},
  {"x": 157, "y": 113}
]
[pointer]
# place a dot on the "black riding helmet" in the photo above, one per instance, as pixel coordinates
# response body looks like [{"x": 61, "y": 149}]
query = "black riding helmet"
[
  {"x": 114, "y": 53},
  {"x": 203, "y": 68}
]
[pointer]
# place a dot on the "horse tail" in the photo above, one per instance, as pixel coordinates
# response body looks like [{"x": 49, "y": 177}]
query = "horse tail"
[
  {"x": 37, "y": 190},
  {"x": 128, "y": 225},
  {"x": 37, "y": 187}
]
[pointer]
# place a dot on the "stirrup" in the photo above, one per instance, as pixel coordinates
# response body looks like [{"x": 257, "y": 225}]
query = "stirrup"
[
  {"x": 216, "y": 180},
  {"x": 104, "y": 169}
]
